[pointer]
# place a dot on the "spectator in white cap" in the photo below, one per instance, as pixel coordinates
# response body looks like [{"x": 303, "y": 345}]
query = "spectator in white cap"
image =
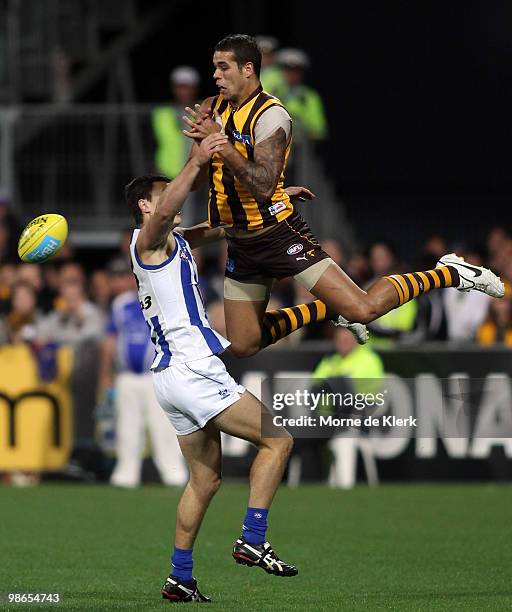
[
  {"x": 303, "y": 102},
  {"x": 271, "y": 75},
  {"x": 172, "y": 146}
]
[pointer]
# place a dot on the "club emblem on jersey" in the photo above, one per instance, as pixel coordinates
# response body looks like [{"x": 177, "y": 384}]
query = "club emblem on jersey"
[
  {"x": 295, "y": 248},
  {"x": 245, "y": 138}
]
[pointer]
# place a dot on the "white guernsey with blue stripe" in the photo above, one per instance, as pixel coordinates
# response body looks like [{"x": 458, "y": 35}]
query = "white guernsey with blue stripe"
[{"x": 173, "y": 308}]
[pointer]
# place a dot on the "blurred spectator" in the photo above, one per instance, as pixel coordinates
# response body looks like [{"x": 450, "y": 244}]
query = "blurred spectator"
[
  {"x": 496, "y": 241},
  {"x": 351, "y": 369},
  {"x": 21, "y": 323},
  {"x": 173, "y": 147},
  {"x": 77, "y": 319},
  {"x": 358, "y": 269},
  {"x": 271, "y": 75},
  {"x": 72, "y": 271},
  {"x": 352, "y": 360},
  {"x": 99, "y": 289},
  {"x": 383, "y": 259},
  {"x": 302, "y": 102},
  {"x": 465, "y": 311},
  {"x": 499, "y": 251},
  {"x": 33, "y": 275},
  {"x": 390, "y": 327},
  {"x": 126, "y": 356},
  {"x": 335, "y": 251},
  {"x": 497, "y": 329},
  {"x": 8, "y": 276},
  {"x": 120, "y": 276},
  {"x": 435, "y": 247}
]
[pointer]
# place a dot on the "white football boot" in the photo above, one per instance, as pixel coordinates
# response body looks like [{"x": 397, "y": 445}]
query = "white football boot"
[
  {"x": 474, "y": 277},
  {"x": 358, "y": 330}
]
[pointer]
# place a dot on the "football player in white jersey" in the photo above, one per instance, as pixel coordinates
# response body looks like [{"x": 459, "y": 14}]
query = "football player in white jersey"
[{"x": 191, "y": 383}]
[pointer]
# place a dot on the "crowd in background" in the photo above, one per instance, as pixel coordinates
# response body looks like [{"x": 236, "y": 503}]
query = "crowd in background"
[
  {"x": 62, "y": 301},
  {"x": 65, "y": 301}
]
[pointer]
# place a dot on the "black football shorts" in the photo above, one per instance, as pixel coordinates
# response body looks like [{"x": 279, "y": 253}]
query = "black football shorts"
[{"x": 286, "y": 250}]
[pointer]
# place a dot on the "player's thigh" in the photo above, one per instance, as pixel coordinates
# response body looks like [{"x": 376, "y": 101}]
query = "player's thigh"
[
  {"x": 338, "y": 290},
  {"x": 202, "y": 452},
  {"x": 249, "y": 420}
]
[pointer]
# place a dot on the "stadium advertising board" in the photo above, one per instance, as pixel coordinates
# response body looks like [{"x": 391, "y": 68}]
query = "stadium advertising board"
[
  {"x": 437, "y": 413},
  {"x": 35, "y": 417}
]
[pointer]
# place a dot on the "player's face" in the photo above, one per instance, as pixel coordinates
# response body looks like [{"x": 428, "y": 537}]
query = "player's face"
[{"x": 229, "y": 78}]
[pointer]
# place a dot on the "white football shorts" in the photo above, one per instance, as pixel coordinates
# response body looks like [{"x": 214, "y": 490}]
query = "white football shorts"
[{"x": 192, "y": 393}]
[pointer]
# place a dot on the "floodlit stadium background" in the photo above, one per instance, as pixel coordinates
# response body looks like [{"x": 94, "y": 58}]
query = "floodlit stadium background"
[{"x": 412, "y": 162}]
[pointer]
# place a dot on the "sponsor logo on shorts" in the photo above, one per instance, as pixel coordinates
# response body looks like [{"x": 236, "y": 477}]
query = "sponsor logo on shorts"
[
  {"x": 301, "y": 257},
  {"x": 230, "y": 265},
  {"x": 295, "y": 248},
  {"x": 311, "y": 253},
  {"x": 276, "y": 208},
  {"x": 223, "y": 393}
]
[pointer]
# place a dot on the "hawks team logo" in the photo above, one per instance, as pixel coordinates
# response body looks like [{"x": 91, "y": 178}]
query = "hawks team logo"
[{"x": 295, "y": 248}]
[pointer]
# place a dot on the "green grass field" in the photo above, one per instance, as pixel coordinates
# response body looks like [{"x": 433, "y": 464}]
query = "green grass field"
[{"x": 392, "y": 548}]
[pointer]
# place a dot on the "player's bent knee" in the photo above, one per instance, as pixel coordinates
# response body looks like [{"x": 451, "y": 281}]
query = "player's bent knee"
[
  {"x": 206, "y": 487},
  {"x": 361, "y": 313},
  {"x": 244, "y": 348},
  {"x": 282, "y": 444}
]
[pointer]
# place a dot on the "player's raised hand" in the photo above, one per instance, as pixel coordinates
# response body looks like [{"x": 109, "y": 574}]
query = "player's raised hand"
[
  {"x": 209, "y": 145},
  {"x": 300, "y": 193},
  {"x": 200, "y": 124}
]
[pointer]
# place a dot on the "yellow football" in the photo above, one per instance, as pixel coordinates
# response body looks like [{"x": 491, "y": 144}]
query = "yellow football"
[{"x": 42, "y": 238}]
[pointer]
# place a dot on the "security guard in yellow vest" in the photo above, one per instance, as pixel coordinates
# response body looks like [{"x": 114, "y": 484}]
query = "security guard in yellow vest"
[
  {"x": 360, "y": 363},
  {"x": 303, "y": 103},
  {"x": 173, "y": 147}
]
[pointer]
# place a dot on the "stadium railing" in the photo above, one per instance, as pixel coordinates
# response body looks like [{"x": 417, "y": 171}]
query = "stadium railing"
[{"x": 74, "y": 159}]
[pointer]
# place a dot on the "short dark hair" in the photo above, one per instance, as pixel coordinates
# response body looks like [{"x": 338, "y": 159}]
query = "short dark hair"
[
  {"x": 140, "y": 189},
  {"x": 244, "y": 48}
]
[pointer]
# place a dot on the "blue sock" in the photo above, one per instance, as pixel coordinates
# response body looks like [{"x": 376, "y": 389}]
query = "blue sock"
[
  {"x": 182, "y": 564},
  {"x": 255, "y": 525}
]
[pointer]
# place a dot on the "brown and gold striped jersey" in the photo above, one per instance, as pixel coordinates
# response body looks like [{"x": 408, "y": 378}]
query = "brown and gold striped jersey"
[{"x": 230, "y": 202}]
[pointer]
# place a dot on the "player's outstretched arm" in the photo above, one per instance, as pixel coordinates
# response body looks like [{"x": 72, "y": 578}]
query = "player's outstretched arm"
[
  {"x": 201, "y": 234},
  {"x": 155, "y": 231}
]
